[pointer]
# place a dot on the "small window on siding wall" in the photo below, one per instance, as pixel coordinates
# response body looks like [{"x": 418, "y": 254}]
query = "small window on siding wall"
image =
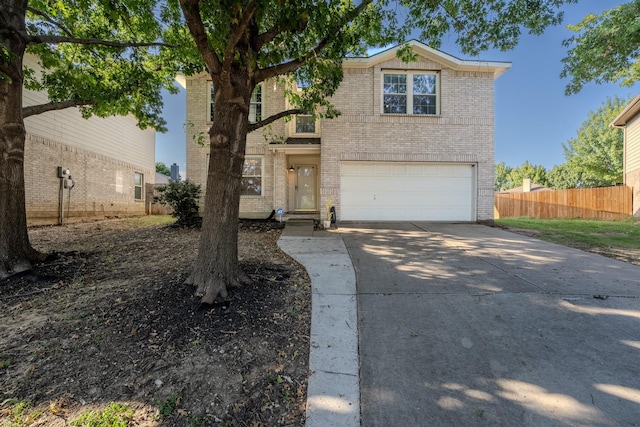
[
  {"x": 251, "y": 177},
  {"x": 255, "y": 105},
  {"x": 138, "y": 182}
]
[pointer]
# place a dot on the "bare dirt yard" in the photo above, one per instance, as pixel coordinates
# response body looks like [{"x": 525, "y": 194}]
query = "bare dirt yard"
[{"x": 108, "y": 323}]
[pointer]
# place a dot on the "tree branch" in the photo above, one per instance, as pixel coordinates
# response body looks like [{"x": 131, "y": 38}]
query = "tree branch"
[
  {"x": 191, "y": 11},
  {"x": 273, "y": 32},
  {"x": 53, "y": 106},
  {"x": 50, "y": 20},
  {"x": 267, "y": 37},
  {"x": 238, "y": 32},
  {"x": 271, "y": 119},
  {"x": 331, "y": 34},
  {"x": 53, "y": 39}
]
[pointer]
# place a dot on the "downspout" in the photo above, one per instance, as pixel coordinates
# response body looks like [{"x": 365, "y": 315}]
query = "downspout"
[
  {"x": 61, "y": 202},
  {"x": 275, "y": 183}
]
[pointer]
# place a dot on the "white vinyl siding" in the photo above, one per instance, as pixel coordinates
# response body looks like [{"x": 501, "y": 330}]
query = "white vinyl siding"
[
  {"x": 116, "y": 137},
  {"x": 632, "y": 149},
  {"x": 393, "y": 191}
]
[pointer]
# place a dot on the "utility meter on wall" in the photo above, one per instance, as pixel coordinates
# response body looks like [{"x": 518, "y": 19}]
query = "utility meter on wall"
[
  {"x": 63, "y": 172},
  {"x": 68, "y": 183},
  {"x": 65, "y": 175}
]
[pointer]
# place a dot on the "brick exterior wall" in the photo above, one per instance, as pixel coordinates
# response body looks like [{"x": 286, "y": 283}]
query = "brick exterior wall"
[
  {"x": 104, "y": 187},
  {"x": 463, "y": 132},
  {"x": 273, "y": 190}
]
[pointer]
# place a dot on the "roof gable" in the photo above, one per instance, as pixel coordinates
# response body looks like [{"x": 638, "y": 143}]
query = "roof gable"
[
  {"x": 629, "y": 112},
  {"x": 497, "y": 68}
]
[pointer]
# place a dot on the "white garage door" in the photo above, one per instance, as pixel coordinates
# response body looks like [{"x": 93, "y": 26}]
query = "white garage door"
[{"x": 407, "y": 191}]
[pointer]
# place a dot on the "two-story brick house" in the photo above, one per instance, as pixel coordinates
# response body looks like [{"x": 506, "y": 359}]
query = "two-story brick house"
[{"x": 414, "y": 141}]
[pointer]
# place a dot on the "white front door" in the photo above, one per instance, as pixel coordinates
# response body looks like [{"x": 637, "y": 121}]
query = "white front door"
[{"x": 306, "y": 190}]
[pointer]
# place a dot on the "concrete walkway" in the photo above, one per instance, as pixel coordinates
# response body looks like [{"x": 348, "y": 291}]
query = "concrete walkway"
[{"x": 333, "y": 394}]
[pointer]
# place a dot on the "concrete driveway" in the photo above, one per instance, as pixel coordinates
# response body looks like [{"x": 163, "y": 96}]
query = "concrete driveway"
[{"x": 465, "y": 325}]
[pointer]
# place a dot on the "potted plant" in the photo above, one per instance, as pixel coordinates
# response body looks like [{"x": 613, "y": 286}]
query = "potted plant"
[{"x": 327, "y": 208}]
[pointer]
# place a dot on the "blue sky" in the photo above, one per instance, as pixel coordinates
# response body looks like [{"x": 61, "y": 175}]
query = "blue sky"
[{"x": 533, "y": 117}]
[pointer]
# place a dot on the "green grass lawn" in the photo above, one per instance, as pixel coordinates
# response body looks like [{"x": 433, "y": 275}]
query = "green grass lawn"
[{"x": 600, "y": 235}]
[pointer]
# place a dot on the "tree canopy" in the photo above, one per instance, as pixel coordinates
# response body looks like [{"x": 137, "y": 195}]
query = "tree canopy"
[
  {"x": 507, "y": 177},
  {"x": 595, "y": 154},
  {"x": 605, "y": 49},
  {"x": 103, "y": 56},
  {"x": 593, "y": 157}
]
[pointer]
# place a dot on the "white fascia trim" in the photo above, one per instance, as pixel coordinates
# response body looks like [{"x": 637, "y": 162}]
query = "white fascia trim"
[{"x": 497, "y": 68}]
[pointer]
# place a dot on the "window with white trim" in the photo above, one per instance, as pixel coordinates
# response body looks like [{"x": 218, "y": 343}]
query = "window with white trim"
[
  {"x": 410, "y": 93},
  {"x": 138, "y": 181},
  {"x": 251, "y": 177},
  {"x": 255, "y": 105}
]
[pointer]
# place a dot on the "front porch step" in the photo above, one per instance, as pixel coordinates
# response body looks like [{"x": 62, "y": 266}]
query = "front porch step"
[{"x": 296, "y": 215}]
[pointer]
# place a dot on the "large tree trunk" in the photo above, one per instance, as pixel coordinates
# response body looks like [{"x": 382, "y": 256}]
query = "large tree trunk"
[
  {"x": 217, "y": 266},
  {"x": 16, "y": 253}
]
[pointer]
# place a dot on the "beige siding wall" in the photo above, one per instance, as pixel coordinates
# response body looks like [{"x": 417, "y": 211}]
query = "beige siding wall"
[
  {"x": 102, "y": 154},
  {"x": 632, "y": 161},
  {"x": 115, "y": 137}
]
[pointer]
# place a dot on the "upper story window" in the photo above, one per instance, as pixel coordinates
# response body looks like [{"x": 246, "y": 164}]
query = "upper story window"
[
  {"x": 255, "y": 105},
  {"x": 302, "y": 83},
  {"x": 305, "y": 124},
  {"x": 410, "y": 93}
]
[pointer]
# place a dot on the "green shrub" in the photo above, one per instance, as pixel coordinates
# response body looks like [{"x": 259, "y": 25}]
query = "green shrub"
[{"x": 183, "y": 197}]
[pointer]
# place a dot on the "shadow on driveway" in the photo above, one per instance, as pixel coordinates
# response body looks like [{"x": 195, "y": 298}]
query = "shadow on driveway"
[{"x": 463, "y": 325}]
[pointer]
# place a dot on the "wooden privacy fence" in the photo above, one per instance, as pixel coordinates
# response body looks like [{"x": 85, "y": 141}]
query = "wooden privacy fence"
[
  {"x": 601, "y": 203},
  {"x": 155, "y": 208}
]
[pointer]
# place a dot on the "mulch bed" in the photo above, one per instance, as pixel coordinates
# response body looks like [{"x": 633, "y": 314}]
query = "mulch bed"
[{"x": 108, "y": 319}]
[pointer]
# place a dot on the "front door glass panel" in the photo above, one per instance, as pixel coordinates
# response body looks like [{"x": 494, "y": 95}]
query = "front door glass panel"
[{"x": 306, "y": 188}]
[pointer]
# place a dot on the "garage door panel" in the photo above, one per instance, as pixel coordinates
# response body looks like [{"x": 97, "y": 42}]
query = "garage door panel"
[{"x": 405, "y": 192}]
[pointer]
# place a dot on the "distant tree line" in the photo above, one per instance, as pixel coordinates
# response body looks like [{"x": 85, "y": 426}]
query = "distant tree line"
[{"x": 593, "y": 157}]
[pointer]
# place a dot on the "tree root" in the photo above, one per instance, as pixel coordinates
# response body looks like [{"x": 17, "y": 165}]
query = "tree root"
[
  {"x": 9, "y": 267},
  {"x": 210, "y": 287}
]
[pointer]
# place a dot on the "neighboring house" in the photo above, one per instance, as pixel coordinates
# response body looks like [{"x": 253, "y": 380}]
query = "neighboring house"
[
  {"x": 415, "y": 141},
  {"x": 629, "y": 119},
  {"x": 526, "y": 187},
  {"x": 161, "y": 179},
  {"x": 109, "y": 161}
]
